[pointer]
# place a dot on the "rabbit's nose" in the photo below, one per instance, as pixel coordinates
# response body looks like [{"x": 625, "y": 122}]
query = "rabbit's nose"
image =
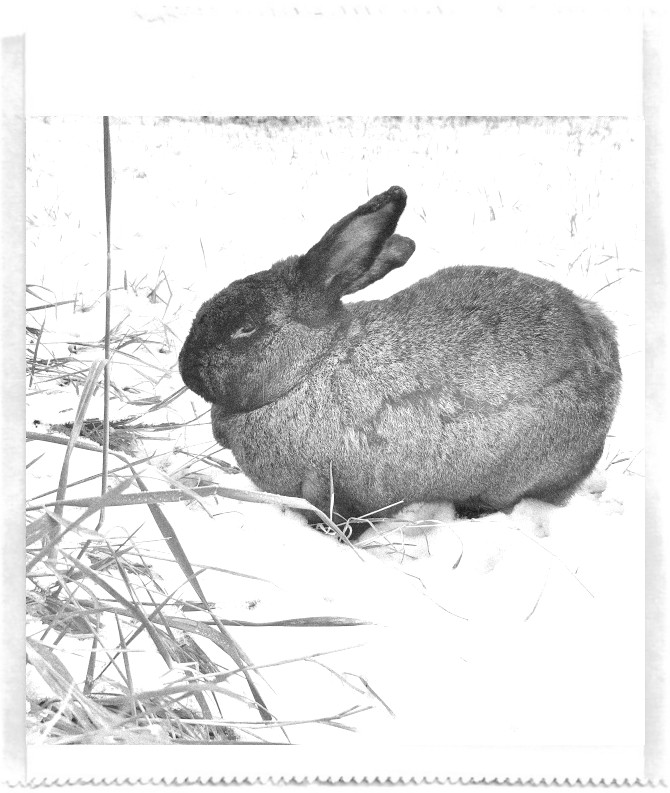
[{"x": 190, "y": 370}]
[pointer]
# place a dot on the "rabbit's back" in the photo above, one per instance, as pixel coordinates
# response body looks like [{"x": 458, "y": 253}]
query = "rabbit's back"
[{"x": 490, "y": 333}]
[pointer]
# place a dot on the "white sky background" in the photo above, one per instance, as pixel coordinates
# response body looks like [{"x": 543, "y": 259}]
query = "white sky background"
[{"x": 520, "y": 58}]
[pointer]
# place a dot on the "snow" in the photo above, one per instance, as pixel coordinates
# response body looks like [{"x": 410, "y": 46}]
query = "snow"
[{"x": 525, "y": 628}]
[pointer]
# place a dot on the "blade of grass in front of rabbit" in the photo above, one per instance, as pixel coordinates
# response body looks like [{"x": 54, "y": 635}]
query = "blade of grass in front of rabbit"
[
  {"x": 332, "y": 491},
  {"x": 381, "y": 509},
  {"x": 168, "y": 496}
]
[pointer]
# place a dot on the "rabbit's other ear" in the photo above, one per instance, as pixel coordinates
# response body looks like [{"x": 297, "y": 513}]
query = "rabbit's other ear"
[
  {"x": 360, "y": 248},
  {"x": 395, "y": 253}
]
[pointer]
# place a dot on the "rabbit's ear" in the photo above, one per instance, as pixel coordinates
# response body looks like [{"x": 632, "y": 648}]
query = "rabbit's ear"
[
  {"x": 395, "y": 253},
  {"x": 359, "y": 249}
]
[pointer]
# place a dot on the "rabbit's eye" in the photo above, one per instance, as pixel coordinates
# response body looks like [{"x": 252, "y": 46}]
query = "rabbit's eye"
[{"x": 245, "y": 330}]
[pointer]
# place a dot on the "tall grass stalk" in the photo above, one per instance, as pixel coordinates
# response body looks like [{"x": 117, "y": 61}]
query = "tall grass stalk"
[{"x": 107, "y": 156}]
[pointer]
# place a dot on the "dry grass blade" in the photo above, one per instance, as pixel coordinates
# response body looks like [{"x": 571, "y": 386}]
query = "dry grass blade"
[
  {"x": 185, "y": 624},
  {"x": 46, "y": 654},
  {"x": 284, "y": 662},
  {"x": 332, "y": 721},
  {"x": 149, "y": 699},
  {"x": 51, "y": 305},
  {"x": 90, "y": 669},
  {"x": 609, "y": 283},
  {"x": 46, "y": 523},
  {"x": 140, "y": 361},
  {"x": 196, "y": 626},
  {"x": 35, "y": 460},
  {"x": 301, "y": 622},
  {"x": 256, "y": 497},
  {"x": 44, "y": 436},
  {"x": 95, "y": 476},
  {"x": 39, "y": 529},
  {"x": 364, "y": 683},
  {"x": 31, "y": 287},
  {"x": 561, "y": 562},
  {"x": 374, "y": 694},
  {"x": 189, "y": 492},
  {"x": 209, "y": 459},
  {"x": 34, "y": 361},
  {"x": 214, "y": 568},
  {"x": 126, "y": 663},
  {"x": 539, "y": 596},
  {"x": 89, "y": 389},
  {"x": 87, "y": 713}
]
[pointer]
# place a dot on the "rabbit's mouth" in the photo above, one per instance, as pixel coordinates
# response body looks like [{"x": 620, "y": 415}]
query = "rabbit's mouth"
[
  {"x": 199, "y": 387},
  {"x": 203, "y": 377}
]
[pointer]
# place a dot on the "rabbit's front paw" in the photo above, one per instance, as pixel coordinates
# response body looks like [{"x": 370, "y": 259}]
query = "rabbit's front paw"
[{"x": 533, "y": 517}]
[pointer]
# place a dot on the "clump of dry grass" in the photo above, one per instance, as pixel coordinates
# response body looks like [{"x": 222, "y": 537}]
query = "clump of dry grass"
[{"x": 106, "y": 594}]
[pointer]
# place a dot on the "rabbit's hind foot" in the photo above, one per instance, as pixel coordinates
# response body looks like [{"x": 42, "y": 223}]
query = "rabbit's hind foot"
[{"x": 471, "y": 510}]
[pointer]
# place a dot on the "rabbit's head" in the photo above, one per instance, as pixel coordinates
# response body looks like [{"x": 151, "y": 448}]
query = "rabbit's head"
[{"x": 253, "y": 341}]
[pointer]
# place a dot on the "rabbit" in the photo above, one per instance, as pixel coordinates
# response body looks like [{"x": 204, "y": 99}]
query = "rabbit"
[{"x": 478, "y": 386}]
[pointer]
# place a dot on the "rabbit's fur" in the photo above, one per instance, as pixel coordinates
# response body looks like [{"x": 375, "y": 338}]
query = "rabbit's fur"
[{"x": 477, "y": 385}]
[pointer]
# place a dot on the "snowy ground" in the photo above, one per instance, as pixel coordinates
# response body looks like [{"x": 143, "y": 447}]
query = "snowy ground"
[{"x": 537, "y": 636}]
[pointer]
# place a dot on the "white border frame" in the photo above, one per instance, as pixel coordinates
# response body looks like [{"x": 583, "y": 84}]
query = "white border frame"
[{"x": 520, "y": 57}]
